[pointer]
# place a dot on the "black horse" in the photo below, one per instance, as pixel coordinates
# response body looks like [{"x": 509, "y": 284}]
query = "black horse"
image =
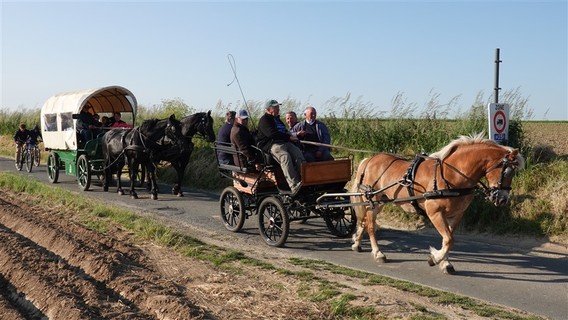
[
  {"x": 199, "y": 123},
  {"x": 140, "y": 146}
]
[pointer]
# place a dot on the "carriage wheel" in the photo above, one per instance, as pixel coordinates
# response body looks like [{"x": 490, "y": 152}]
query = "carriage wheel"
[
  {"x": 232, "y": 209},
  {"x": 342, "y": 222},
  {"x": 273, "y": 222},
  {"x": 29, "y": 160},
  {"x": 52, "y": 167},
  {"x": 83, "y": 172}
]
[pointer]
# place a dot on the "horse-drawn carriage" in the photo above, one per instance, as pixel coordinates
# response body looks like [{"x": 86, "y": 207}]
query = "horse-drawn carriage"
[
  {"x": 67, "y": 150},
  {"x": 266, "y": 194}
]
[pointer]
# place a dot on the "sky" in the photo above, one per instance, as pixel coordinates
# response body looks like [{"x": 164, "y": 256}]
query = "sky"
[{"x": 311, "y": 52}]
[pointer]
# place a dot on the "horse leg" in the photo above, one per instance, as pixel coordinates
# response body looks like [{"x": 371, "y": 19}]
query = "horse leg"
[
  {"x": 176, "y": 190},
  {"x": 119, "y": 168},
  {"x": 372, "y": 226},
  {"x": 150, "y": 168},
  {"x": 440, "y": 257},
  {"x": 132, "y": 173}
]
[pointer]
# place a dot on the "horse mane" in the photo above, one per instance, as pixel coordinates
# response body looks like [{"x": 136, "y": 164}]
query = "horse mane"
[
  {"x": 148, "y": 125},
  {"x": 464, "y": 140}
]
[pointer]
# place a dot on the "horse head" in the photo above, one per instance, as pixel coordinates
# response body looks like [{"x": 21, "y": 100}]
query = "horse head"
[
  {"x": 200, "y": 123},
  {"x": 500, "y": 176}
]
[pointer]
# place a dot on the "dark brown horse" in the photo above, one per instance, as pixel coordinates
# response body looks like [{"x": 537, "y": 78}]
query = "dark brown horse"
[{"x": 440, "y": 186}]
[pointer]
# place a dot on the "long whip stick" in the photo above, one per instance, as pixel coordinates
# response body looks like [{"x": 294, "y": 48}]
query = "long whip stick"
[{"x": 234, "y": 68}]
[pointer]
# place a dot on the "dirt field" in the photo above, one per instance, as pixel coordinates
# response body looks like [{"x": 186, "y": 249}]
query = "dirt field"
[
  {"x": 554, "y": 135},
  {"x": 64, "y": 270}
]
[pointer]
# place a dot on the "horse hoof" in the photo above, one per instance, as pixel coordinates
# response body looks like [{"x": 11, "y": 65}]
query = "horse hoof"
[
  {"x": 105, "y": 189},
  {"x": 180, "y": 195},
  {"x": 356, "y": 248},
  {"x": 154, "y": 197},
  {"x": 133, "y": 196},
  {"x": 449, "y": 270},
  {"x": 120, "y": 192},
  {"x": 431, "y": 262},
  {"x": 382, "y": 259}
]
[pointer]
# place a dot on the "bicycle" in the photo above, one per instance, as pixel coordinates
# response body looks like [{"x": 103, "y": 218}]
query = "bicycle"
[{"x": 36, "y": 155}]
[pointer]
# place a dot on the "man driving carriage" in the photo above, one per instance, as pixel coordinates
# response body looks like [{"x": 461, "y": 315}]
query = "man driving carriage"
[
  {"x": 274, "y": 138},
  {"x": 86, "y": 124}
]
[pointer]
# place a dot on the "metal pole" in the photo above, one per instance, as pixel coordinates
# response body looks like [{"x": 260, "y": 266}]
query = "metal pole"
[{"x": 497, "y": 61}]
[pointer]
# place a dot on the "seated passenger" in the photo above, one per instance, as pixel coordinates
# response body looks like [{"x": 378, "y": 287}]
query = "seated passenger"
[
  {"x": 119, "y": 123},
  {"x": 243, "y": 141},
  {"x": 86, "y": 124},
  {"x": 314, "y": 131},
  {"x": 224, "y": 137}
]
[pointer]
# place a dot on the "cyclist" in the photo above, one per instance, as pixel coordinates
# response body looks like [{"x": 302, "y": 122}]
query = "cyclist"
[
  {"x": 34, "y": 136},
  {"x": 20, "y": 138}
]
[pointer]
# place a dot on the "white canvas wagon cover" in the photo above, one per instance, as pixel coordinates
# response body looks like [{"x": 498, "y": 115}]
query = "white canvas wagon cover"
[{"x": 57, "y": 124}]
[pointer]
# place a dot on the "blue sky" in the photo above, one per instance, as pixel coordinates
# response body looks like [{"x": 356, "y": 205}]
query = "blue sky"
[{"x": 307, "y": 51}]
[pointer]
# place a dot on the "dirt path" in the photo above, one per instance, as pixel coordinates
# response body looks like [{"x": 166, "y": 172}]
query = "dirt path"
[{"x": 54, "y": 268}]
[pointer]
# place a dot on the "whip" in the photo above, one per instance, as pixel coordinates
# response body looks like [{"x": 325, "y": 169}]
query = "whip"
[
  {"x": 234, "y": 68},
  {"x": 337, "y": 147}
]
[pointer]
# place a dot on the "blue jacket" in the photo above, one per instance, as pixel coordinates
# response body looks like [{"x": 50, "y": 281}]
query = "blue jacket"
[{"x": 321, "y": 130}]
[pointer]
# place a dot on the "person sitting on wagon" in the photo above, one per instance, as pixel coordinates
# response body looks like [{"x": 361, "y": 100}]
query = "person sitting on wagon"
[
  {"x": 243, "y": 141},
  {"x": 20, "y": 138},
  {"x": 118, "y": 123},
  {"x": 274, "y": 139},
  {"x": 86, "y": 124},
  {"x": 224, "y": 137},
  {"x": 314, "y": 131}
]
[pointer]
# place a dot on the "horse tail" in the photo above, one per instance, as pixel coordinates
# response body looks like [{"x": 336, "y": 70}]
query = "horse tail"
[{"x": 359, "y": 209}]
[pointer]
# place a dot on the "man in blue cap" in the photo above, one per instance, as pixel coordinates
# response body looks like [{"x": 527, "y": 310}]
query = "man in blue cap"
[{"x": 274, "y": 138}]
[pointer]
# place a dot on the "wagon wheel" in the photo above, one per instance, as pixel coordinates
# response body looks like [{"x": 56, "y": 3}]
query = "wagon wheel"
[
  {"x": 342, "y": 222},
  {"x": 273, "y": 222},
  {"x": 232, "y": 209},
  {"x": 29, "y": 160},
  {"x": 52, "y": 167},
  {"x": 83, "y": 172}
]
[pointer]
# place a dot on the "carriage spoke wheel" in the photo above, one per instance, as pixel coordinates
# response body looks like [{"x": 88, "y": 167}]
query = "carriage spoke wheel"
[
  {"x": 273, "y": 222},
  {"x": 83, "y": 173},
  {"x": 52, "y": 167},
  {"x": 341, "y": 222},
  {"x": 29, "y": 160},
  {"x": 232, "y": 209}
]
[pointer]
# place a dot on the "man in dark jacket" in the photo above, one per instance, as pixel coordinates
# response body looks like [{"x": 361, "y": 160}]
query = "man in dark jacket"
[
  {"x": 20, "y": 138},
  {"x": 274, "y": 138},
  {"x": 243, "y": 141},
  {"x": 224, "y": 137}
]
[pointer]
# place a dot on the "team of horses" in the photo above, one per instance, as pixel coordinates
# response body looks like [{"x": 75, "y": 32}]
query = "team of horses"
[
  {"x": 153, "y": 141},
  {"x": 440, "y": 186}
]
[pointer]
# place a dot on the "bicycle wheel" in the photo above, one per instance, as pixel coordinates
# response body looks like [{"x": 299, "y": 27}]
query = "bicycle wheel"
[
  {"x": 29, "y": 159},
  {"x": 20, "y": 161}
]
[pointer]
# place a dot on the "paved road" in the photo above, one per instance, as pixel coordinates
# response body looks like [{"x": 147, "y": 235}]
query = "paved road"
[{"x": 530, "y": 276}]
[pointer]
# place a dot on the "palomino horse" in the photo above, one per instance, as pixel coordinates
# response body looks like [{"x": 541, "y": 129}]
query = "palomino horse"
[
  {"x": 139, "y": 146},
  {"x": 440, "y": 186}
]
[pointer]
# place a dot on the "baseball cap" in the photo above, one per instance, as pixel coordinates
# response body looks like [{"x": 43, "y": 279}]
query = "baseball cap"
[
  {"x": 243, "y": 114},
  {"x": 272, "y": 103}
]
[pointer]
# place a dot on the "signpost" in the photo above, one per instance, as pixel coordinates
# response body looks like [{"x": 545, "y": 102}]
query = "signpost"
[{"x": 499, "y": 121}]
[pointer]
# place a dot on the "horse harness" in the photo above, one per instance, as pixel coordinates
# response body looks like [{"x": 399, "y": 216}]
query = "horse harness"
[{"x": 508, "y": 169}]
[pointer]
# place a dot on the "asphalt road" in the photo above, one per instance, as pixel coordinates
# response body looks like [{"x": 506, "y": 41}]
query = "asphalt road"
[{"x": 519, "y": 273}]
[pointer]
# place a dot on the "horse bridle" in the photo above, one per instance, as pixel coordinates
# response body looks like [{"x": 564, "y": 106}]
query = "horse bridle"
[{"x": 508, "y": 169}]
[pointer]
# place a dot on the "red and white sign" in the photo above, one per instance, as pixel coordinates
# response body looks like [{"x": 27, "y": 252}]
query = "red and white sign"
[{"x": 498, "y": 121}]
